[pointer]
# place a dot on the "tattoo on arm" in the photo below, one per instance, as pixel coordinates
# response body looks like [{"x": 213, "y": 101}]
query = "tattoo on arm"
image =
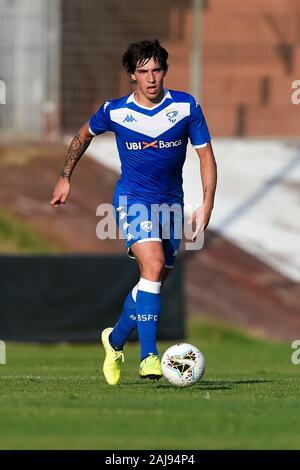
[
  {"x": 77, "y": 148},
  {"x": 205, "y": 192}
]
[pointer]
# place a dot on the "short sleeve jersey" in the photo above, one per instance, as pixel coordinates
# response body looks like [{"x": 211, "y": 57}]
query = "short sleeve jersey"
[{"x": 152, "y": 143}]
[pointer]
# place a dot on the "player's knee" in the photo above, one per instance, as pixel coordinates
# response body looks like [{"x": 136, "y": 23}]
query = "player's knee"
[{"x": 153, "y": 270}]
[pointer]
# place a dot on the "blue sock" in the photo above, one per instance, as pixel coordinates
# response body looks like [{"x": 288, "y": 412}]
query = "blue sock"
[
  {"x": 127, "y": 322},
  {"x": 148, "y": 313}
]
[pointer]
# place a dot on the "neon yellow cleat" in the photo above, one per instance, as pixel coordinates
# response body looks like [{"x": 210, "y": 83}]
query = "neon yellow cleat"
[
  {"x": 113, "y": 359},
  {"x": 150, "y": 368}
]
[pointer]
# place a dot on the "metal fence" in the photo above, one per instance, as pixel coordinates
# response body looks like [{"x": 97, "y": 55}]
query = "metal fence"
[
  {"x": 29, "y": 37},
  {"x": 60, "y": 58},
  {"x": 95, "y": 35}
]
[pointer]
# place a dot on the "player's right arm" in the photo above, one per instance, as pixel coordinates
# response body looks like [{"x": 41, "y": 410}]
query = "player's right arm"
[
  {"x": 78, "y": 146},
  {"x": 98, "y": 124}
]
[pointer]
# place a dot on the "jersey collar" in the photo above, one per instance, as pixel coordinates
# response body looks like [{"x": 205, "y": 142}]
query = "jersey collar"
[{"x": 131, "y": 99}]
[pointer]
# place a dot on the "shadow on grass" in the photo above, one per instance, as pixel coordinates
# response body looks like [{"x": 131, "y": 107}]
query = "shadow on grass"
[
  {"x": 201, "y": 385},
  {"x": 219, "y": 384}
]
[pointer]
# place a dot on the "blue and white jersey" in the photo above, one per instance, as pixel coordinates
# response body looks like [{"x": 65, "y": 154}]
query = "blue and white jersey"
[{"x": 152, "y": 143}]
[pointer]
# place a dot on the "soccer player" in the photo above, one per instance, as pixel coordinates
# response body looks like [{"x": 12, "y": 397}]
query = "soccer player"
[{"x": 152, "y": 127}]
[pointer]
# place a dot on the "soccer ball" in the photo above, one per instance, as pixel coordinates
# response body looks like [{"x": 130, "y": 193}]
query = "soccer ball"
[{"x": 183, "y": 365}]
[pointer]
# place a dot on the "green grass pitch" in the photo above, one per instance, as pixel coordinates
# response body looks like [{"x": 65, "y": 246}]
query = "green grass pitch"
[{"x": 55, "y": 397}]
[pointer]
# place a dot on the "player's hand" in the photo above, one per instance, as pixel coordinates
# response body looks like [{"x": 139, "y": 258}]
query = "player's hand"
[
  {"x": 60, "y": 192},
  {"x": 201, "y": 217}
]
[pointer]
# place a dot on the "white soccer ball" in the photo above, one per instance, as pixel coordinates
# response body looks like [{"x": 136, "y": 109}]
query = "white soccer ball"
[{"x": 183, "y": 365}]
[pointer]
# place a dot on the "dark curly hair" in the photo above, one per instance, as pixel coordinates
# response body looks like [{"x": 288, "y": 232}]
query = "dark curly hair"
[{"x": 140, "y": 52}]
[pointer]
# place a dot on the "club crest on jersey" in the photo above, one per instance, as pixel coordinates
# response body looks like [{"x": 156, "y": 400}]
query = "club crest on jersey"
[
  {"x": 146, "y": 225},
  {"x": 172, "y": 115},
  {"x": 129, "y": 118}
]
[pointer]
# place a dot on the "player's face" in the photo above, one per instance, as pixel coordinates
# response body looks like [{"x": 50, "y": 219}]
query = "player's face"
[{"x": 149, "y": 80}]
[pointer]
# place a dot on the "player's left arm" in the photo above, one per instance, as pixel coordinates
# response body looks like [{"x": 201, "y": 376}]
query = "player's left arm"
[{"x": 208, "y": 171}]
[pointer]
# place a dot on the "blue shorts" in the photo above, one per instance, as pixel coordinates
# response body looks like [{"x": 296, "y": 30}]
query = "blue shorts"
[{"x": 141, "y": 222}]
